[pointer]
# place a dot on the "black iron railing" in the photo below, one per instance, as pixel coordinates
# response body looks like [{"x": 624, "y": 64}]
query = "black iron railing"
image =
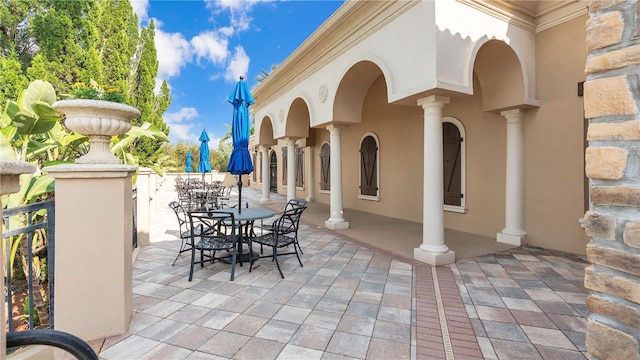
[
  {"x": 23, "y": 226},
  {"x": 135, "y": 216}
]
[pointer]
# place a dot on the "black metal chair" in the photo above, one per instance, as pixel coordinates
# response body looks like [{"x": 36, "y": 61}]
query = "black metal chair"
[
  {"x": 184, "y": 228},
  {"x": 212, "y": 231},
  {"x": 284, "y": 233},
  {"x": 291, "y": 204}
]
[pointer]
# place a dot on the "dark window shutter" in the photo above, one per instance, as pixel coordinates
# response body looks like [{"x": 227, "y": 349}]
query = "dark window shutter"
[
  {"x": 299, "y": 166},
  {"x": 451, "y": 142},
  {"x": 255, "y": 171},
  {"x": 325, "y": 162},
  {"x": 284, "y": 165},
  {"x": 368, "y": 167}
]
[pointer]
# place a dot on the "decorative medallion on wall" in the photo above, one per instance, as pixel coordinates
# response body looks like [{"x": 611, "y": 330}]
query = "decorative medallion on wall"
[
  {"x": 281, "y": 115},
  {"x": 322, "y": 93}
]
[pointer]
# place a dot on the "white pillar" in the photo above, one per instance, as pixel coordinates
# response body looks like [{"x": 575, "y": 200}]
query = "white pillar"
[
  {"x": 433, "y": 251},
  {"x": 143, "y": 206},
  {"x": 513, "y": 232},
  {"x": 266, "y": 196},
  {"x": 93, "y": 249},
  {"x": 291, "y": 168},
  {"x": 336, "y": 221},
  {"x": 310, "y": 179}
]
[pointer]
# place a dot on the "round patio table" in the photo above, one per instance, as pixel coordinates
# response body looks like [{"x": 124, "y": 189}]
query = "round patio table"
[{"x": 244, "y": 221}]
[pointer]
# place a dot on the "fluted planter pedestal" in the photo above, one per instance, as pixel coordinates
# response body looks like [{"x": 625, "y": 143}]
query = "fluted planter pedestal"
[{"x": 99, "y": 120}]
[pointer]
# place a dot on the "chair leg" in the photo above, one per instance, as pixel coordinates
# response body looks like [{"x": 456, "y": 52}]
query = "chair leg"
[
  {"x": 275, "y": 256},
  {"x": 193, "y": 259},
  {"x": 233, "y": 264}
]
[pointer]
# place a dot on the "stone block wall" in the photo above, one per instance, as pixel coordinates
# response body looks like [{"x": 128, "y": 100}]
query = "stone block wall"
[{"x": 612, "y": 162}]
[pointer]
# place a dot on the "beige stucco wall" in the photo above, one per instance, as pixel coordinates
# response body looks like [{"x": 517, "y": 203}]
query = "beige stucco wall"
[
  {"x": 554, "y": 142},
  {"x": 470, "y": 55}
]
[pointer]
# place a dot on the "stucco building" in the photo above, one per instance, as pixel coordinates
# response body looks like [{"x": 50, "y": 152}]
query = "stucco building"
[{"x": 457, "y": 114}]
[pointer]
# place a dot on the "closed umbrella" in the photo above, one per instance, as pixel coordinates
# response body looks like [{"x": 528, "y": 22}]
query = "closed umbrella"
[
  {"x": 240, "y": 160},
  {"x": 189, "y": 163},
  {"x": 204, "y": 166}
]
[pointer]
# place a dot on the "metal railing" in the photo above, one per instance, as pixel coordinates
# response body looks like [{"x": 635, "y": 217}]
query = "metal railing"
[
  {"x": 135, "y": 216},
  {"x": 33, "y": 219}
]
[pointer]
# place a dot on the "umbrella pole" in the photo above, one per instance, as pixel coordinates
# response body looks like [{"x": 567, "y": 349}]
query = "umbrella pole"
[{"x": 239, "y": 194}]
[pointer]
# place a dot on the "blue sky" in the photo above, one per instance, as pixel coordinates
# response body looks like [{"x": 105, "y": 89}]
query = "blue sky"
[{"x": 205, "y": 46}]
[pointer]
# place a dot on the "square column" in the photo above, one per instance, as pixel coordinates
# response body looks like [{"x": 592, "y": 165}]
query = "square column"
[
  {"x": 143, "y": 208},
  {"x": 94, "y": 222}
]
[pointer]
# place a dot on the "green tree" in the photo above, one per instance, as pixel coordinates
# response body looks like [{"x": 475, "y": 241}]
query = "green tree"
[
  {"x": 117, "y": 27},
  {"x": 264, "y": 73},
  {"x": 12, "y": 81}
]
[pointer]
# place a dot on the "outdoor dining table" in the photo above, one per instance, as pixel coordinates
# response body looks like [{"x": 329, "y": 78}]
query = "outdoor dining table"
[{"x": 244, "y": 220}]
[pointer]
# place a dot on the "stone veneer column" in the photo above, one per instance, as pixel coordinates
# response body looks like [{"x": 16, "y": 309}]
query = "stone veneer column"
[
  {"x": 611, "y": 96},
  {"x": 513, "y": 232},
  {"x": 94, "y": 219},
  {"x": 432, "y": 251},
  {"x": 266, "y": 180},
  {"x": 143, "y": 205},
  {"x": 291, "y": 168},
  {"x": 336, "y": 220},
  {"x": 10, "y": 171},
  {"x": 310, "y": 179}
]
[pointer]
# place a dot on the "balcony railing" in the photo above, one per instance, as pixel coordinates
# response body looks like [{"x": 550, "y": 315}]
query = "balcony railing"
[{"x": 29, "y": 229}]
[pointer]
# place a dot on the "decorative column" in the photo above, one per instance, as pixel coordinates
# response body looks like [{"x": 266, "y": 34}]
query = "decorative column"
[
  {"x": 266, "y": 196},
  {"x": 291, "y": 168},
  {"x": 513, "y": 232},
  {"x": 10, "y": 171},
  {"x": 143, "y": 205},
  {"x": 433, "y": 251},
  {"x": 336, "y": 220},
  {"x": 94, "y": 224},
  {"x": 310, "y": 179}
]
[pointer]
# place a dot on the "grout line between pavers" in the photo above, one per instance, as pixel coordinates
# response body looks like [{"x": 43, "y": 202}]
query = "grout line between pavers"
[{"x": 448, "y": 349}]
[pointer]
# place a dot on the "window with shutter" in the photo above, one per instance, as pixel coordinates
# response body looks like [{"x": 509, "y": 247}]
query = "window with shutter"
[
  {"x": 369, "y": 166},
  {"x": 325, "y": 162},
  {"x": 284, "y": 165},
  {"x": 299, "y": 153},
  {"x": 273, "y": 172},
  {"x": 255, "y": 171},
  {"x": 453, "y": 164}
]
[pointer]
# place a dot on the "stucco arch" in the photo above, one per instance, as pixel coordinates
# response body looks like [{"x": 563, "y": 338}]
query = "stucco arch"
[
  {"x": 352, "y": 90},
  {"x": 502, "y": 75},
  {"x": 265, "y": 132},
  {"x": 297, "y": 121}
]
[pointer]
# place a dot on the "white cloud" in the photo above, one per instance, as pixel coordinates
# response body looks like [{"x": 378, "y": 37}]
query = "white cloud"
[
  {"x": 211, "y": 46},
  {"x": 238, "y": 66},
  {"x": 180, "y": 126},
  {"x": 140, "y": 7},
  {"x": 173, "y": 52}
]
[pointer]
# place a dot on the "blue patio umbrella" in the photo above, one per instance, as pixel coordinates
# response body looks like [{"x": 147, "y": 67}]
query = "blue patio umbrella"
[
  {"x": 240, "y": 160},
  {"x": 189, "y": 163},
  {"x": 204, "y": 166}
]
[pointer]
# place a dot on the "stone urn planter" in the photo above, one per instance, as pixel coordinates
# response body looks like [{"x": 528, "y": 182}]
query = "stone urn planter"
[{"x": 99, "y": 120}]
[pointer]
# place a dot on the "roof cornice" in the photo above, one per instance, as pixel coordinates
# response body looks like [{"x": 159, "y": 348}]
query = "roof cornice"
[
  {"x": 547, "y": 15},
  {"x": 348, "y": 26}
]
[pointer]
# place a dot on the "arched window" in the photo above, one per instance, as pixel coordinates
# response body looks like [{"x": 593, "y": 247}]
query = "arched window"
[
  {"x": 299, "y": 155},
  {"x": 369, "y": 168},
  {"x": 454, "y": 164},
  {"x": 325, "y": 170},
  {"x": 284, "y": 166}
]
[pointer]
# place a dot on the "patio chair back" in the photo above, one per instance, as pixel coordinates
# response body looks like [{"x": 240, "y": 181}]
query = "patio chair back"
[
  {"x": 212, "y": 233},
  {"x": 184, "y": 228},
  {"x": 284, "y": 232}
]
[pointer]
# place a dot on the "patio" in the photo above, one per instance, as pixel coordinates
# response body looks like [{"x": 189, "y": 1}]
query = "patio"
[{"x": 353, "y": 300}]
